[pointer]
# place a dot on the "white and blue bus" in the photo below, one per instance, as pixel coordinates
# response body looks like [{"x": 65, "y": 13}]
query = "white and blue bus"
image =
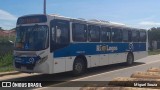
[{"x": 53, "y": 44}]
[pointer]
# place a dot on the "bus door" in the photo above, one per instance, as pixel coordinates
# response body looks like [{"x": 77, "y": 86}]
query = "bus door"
[{"x": 59, "y": 40}]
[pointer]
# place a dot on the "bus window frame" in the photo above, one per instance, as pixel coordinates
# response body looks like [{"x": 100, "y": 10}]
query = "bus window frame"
[
  {"x": 130, "y": 35},
  {"x": 117, "y": 28},
  {"x": 124, "y": 30},
  {"x": 85, "y": 28},
  {"x": 142, "y": 40},
  {"x": 108, "y": 29},
  {"x": 52, "y": 42},
  {"x": 137, "y": 37},
  {"x": 89, "y": 34}
]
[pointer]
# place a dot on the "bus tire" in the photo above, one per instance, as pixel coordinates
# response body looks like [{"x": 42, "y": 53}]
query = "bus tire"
[
  {"x": 130, "y": 59},
  {"x": 78, "y": 67}
]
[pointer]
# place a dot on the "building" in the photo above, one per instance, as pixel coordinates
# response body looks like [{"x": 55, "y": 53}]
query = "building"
[{"x": 7, "y": 33}]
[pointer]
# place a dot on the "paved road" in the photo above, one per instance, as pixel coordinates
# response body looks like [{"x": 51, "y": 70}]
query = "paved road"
[
  {"x": 140, "y": 65},
  {"x": 104, "y": 73}
]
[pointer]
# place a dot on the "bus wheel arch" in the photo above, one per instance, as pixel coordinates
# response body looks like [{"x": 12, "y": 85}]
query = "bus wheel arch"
[
  {"x": 79, "y": 65},
  {"x": 130, "y": 58}
]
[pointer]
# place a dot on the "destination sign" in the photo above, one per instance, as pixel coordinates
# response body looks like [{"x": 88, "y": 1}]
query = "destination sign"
[{"x": 32, "y": 19}]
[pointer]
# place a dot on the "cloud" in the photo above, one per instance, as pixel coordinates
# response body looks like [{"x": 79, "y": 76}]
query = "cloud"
[
  {"x": 146, "y": 24},
  {"x": 7, "y": 24},
  {"x": 150, "y": 23},
  {"x": 7, "y": 20},
  {"x": 4, "y": 15}
]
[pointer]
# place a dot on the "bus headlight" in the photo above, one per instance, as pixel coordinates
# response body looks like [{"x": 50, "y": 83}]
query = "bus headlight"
[{"x": 42, "y": 60}]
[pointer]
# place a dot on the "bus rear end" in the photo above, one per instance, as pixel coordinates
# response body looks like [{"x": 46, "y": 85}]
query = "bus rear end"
[{"x": 32, "y": 45}]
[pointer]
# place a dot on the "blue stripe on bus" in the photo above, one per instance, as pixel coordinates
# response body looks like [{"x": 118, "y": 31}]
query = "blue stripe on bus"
[{"x": 75, "y": 49}]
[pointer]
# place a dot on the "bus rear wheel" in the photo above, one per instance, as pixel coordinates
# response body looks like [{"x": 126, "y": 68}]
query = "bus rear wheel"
[
  {"x": 130, "y": 59},
  {"x": 78, "y": 67}
]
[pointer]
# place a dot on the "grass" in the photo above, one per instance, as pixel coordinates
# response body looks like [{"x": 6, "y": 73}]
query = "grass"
[
  {"x": 154, "y": 52},
  {"x": 7, "y": 68}
]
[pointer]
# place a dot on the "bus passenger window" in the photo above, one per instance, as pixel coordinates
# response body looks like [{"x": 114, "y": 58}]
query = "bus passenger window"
[
  {"x": 135, "y": 36},
  {"x": 125, "y": 35},
  {"x": 94, "y": 33},
  {"x": 53, "y": 33},
  {"x": 142, "y": 36},
  {"x": 59, "y": 34},
  {"x": 79, "y": 32},
  {"x": 105, "y": 34},
  {"x": 62, "y": 34},
  {"x": 130, "y": 36},
  {"x": 116, "y": 35}
]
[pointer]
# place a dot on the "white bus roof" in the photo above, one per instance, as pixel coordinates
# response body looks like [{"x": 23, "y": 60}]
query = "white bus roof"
[{"x": 93, "y": 21}]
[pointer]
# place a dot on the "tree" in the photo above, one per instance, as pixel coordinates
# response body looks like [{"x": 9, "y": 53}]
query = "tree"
[
  {"x": 0, "y": 28},
  {"x": 153, "y": 35},
  {"x": 13, "y": 29}
]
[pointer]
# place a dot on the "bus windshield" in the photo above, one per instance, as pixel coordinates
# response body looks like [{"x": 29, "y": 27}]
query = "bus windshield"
[{"x": 31, "y": 38}]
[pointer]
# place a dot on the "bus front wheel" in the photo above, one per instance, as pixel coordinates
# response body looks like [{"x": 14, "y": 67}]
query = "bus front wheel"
[
  {"x": 78, "y": 67},
  {"x": 130, "y": 59}
]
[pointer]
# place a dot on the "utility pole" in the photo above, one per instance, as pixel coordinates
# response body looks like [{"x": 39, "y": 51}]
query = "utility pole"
[{"x": 44, "y": 7}]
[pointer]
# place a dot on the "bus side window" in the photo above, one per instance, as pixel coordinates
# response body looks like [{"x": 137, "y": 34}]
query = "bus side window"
[
  {"x": 53, "y": 33},
  {"x": 62, "y": 33},
  {"x": 94, "y": 33},
  {"x": 125, "y": 35},
  {"x": 130, "y": 36},
  {"x": 59, "y": 34},
  {"x": 79, "y": 32},
  {"x": 138, "y": 35},
  {"x": 142, "y": 36},
  {"x": 116, "y": 35},
  {"x": 105, "y": 34},
  {"x": 135, "y": 36}
]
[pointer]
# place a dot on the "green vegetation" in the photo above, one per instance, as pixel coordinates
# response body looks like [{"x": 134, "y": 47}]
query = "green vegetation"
[
  {"x": 6, "y": 62},
  {"x": 7, "y": 39},
  {"x": 153, "y": 35},
  {"x": 6, "y": 53},
  {"x": 154, "y": 52}
]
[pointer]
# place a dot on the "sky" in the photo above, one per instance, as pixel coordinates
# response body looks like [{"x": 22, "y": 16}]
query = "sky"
[{"x": 135, "y": 13}]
